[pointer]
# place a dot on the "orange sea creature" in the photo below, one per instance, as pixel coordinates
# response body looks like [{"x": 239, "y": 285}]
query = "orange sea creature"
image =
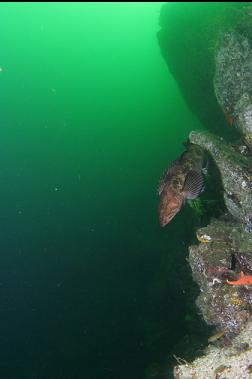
[{"x": 245, "y": 280}]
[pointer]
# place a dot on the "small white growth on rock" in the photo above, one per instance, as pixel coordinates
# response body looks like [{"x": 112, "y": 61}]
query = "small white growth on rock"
[
  {"x": 216, "y": 281},
  {"x": 244, "y": 184},
  {"x": 206, "y": 237}
]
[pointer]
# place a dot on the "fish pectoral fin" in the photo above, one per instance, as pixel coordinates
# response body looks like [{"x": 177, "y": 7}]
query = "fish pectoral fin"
[{"x": 194, "y": 184}]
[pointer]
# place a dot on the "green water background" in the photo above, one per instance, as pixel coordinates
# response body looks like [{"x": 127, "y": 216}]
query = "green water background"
[{"x": 90, "y": 117}]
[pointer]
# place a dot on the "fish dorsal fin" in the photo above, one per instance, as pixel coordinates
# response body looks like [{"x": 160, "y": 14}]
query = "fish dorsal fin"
[
  {"x": 242, "y": 274},
  {"x": 194, "y": 184}
]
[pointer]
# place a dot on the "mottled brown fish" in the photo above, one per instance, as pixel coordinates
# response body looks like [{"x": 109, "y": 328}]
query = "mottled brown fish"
[
  {"x": 182, "y": 181},
  {"x": 217, "y": 335}
]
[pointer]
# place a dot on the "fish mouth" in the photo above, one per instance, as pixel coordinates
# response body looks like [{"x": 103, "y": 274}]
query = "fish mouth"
[{"x": 163, "y": 221}]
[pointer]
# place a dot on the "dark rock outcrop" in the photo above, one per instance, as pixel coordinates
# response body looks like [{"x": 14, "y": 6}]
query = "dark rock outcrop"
[
  {"x": 214, "y": 261},
  {"x": 233, "y": 78},
  {"x": 188, "y": 38},
  {"x": 235, "y": 174}
]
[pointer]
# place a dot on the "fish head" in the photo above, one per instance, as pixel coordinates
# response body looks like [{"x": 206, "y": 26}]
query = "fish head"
[{"x": 170, "y": 205}]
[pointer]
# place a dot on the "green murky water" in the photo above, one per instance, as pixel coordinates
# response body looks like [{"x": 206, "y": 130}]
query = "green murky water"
[{"x": 90, "y": 117}]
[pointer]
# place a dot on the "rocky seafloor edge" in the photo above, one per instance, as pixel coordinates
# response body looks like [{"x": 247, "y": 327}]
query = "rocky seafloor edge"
[{"x": 230, "y": 362}]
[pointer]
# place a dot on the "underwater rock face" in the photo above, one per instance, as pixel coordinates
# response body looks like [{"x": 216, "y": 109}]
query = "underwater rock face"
[
  {"x": 231, "y": 362},
  {"x": 233, "y": 73},
  {"x": 225, "y": 245},
  {"x": 209, "y": 52},
  {"x": 224, "y": 251},
  {"x": 233, "y": 80},
  {"x": 243, "y": 116},
  {"x": 213, "y": 262},
  {"x": 188, "y": 44},
  {"x": 235, "y": 174}
]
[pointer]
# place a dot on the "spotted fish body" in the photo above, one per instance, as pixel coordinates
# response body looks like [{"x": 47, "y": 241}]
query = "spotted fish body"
[{"x": 182, "y": 181}]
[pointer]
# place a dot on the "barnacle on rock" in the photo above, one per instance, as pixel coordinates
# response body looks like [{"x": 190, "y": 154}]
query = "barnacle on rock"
[{"x": 204, "y": 238}]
